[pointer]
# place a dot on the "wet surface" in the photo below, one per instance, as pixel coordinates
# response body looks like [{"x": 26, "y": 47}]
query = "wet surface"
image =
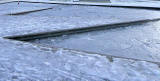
[{"x": 141, "y": 41}]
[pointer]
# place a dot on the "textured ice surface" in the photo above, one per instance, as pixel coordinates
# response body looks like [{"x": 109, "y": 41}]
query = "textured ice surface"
[
  {"x": 67, "y": 17},
  {"x": 141, "y": 41},
  {"x": 21, "y": 61},
  {"x": 14, "y": 7},
  {"x": 132, "y": 0}
]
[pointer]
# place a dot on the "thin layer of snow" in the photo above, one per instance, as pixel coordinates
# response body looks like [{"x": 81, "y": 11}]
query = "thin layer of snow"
[
  {"x": 24, "y": 61},
  {"x": 140, "y": 41},
  {"x": 21, "y": 61},
  {"x": 67, "y": 17}
]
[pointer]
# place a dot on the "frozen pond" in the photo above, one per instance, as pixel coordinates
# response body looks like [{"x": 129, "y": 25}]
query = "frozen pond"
[{"x": 141, "y": 41}]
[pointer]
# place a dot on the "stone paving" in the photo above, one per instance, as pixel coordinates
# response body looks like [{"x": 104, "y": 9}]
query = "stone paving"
[{"x": 24, "y": 61}]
